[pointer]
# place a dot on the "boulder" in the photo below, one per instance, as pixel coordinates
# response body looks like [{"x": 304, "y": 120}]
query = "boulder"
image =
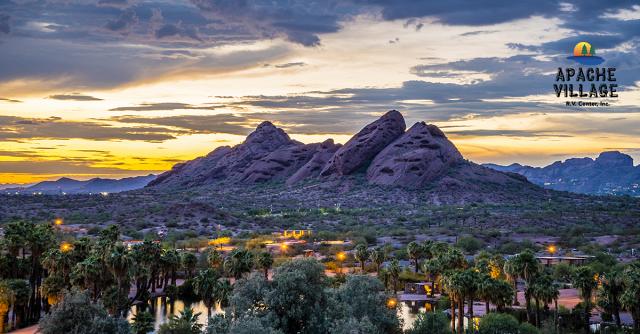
[
  {"x": 417, "y": 157},
  {"x": 361, "y": 148},
  {"x": 314, "y": 166}
]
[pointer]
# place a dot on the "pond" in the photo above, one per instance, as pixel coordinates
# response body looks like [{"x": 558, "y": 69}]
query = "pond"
[{"x": 162, "y": 309}]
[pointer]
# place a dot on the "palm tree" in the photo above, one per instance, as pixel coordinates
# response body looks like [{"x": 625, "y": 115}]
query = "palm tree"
[
  {"x": 630, "y": 299},
  {"x": 21, "y": 293},
  {"x": 527, "y": 267},
  {"x": 610, "y": 292},
  {"x": 512, "y": 270},
  {"x": 584, "y": 279},
  {"x": 394, "y": 273},
  {"x": 204, "y": 285},
  {"x": 361, "y": 254},
  {"x": 223, "y": 292},
  {"x": 170, "y": 259},
  {"x": 214, "y": 258},
  {"x": 470, "y": 280},
  {"x": 486, "y": 289},
  {"x": 52, "y": 288},
  {"x": 120, "y": 264},
  {"x": 265, "y": 261},
  {"x": 543, "y": 289},
  {"x": 88, "y": 273},
  {"x": 238, "y": 262},
  {"x": 186, "y": 323},
  {"x": 453, "y": 283},
  {"x": 414, "y": 250},
  {"x": 378, "y": 256},
  {"x": 189, "y": 263},
  {"x": 433, "y": 268}
]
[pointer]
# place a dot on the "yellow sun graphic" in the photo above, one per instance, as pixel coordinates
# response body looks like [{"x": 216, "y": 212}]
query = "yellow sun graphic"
[{"x": 583, "y": 49}]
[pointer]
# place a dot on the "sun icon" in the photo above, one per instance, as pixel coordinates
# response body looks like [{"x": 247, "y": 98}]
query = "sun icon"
[{"x": 584, "y": 49}]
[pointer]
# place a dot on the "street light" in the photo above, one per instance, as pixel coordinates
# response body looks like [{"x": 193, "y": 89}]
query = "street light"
[
  {"x": 283, "y": 248},
  {"x": 551, "y": 249},
  {"x": 58, "y": 221},
  {"x": 341, "y": 256},
  {"x": 66, "y": 247},
  {"x": 392, "y": 302}
]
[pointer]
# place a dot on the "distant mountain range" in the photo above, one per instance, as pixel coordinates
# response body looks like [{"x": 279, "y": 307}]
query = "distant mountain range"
[
  {"x": 383, "y": 158},
  {"x": 96, "y": 185},
  {"x": 611, "y": 173}
]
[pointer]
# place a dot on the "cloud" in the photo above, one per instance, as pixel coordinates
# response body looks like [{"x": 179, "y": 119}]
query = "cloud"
[
  {"x": 163, "y": 106},
  {"x": 220, "y": 123},
  {"x": 5, "y": 27},
  {"x": 506, "y": 133},
  {"x": 171, "y": 30},
  {"x": 9, "y": 100},
  {"x": 114, "y": 3},
  {"x": 74, "y": 97},
  {"x": 19, "y": 128},
  {"x": 55, "y": 166},
  {"x": 294, "y": 64},
  {"x": 124, "y": 22}
]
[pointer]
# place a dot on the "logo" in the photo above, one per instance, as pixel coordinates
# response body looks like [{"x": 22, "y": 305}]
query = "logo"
[
  {"x": 585, "y": 54},
  {"x": 586, "y": 83}
]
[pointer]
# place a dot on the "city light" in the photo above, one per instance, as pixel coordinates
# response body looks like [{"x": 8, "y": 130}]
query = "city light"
[
  {"x": 341, "y": 256},
  {"x": 551, "y": 249},
  {"x": 58, "y": 221},
  {"x": 392, "y": 302}
]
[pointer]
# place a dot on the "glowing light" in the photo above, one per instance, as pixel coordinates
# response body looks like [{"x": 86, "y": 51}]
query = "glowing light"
[
  {"x": 66, "y": 247},
  {"x": 58, "y": 221},
  {"x": 284, "y": 247},
  {"x": 551, "y": 249},
  {"x": 220, "y": 241},
  {"x": 341, "y": 256},
  {"x": 392, "y": 302}
]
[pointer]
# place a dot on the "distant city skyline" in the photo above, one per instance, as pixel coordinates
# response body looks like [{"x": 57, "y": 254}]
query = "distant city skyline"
[{"x": 115, "y": 88}]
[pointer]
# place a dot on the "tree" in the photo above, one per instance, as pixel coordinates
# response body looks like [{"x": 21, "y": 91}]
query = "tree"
[
  {"x": 512, "y": 270},
  {"x": 53, "y": 288},
  {"x": 142, "y": 323},
  {"x": 252, "y": 325},
  {"x": 77, "y": 314},
  {"x": 414, "y": 250},
  {"x": 453, "y": 282},
  {"x": 378, "y": 256},
  {"x": 584, "y": 280},
  {"x": 186, "y": 323},
  {"x": 430, "y": 323},
  {"x": 21, "y": 291},
  {"x": 363, "y": 297},
  {"x": 223, "y": 292},
  {"x": 630, "y": 298},
  {"x": 265, "y": 261},
  {"x": 189, "y": 262},
  {"x": 610, "y": 292},
  {"x": 394, "y": 273},
  {"x": 298, "y": 300},
  {"x": 493, "y": 323},
  {"x": 205, "y": 286},
  {"x": 170, "y": 259},
  {"x": 361, "y": 254},
  {"x": 238, "y": 262},
  {"x": 543, "y": 290}
]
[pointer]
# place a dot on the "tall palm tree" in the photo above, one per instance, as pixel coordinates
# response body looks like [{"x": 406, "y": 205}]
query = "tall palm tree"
[
  {"x": 238, "y": 262},
  {"x": 512, "y": 270},
  {"x": 378, "y": 256},
  {"x": 433, "y": 268},
  {"x": 486, "y": 289},
  {"x": 470, "y": 281},
  {"x": 205, "y": 285},
  {"x": 584, "y": 280},
  {"x": 170, "y": 259},
  {"x": 88, "y": 274},
  {"x": 630, "y": 298},
  {"x": 39, "y": 239},
  {"x": 414, "y": 250},
  {"x": 361, "y": 254},
  {"x": 189, "y": 263},
  {"x": 21, "y": 293},
  {"x": 610, "y": 292},
  {"x": 215, "y": 260},
  {"x": 453, "y": 283},
  {"x": 224, "y": 289},
  {"x": 543, "y": 290},
  {"x": 265, "y": 261},
  {"x": 394, "y": 273}
]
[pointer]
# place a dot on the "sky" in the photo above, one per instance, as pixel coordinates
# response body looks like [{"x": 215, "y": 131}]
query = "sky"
[{"x": 114, "y": 88}]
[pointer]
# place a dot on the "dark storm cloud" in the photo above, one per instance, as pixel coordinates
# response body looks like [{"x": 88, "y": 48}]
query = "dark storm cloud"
[
  {"x": 220, "y": 123},
  {"x": 74, "y": 97},
  {"x": 17, "y": 128}
]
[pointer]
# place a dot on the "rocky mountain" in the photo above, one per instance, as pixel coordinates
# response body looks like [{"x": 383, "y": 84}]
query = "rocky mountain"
[
  {"x": 381, "y": 154},
  {"x": 611, "y": 173},
  {"x": 95, "y": 185}
]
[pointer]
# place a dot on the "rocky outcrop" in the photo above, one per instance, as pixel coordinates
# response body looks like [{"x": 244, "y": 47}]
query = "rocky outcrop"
[
  {"x": 417, "y": 157},
  {"x": 365, "y": 145},
  {"x": 314, "y": 166},
  {"x": 279, "y": 164}
]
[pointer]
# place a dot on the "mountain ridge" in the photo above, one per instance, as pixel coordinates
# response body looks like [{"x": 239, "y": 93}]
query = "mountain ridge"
[
  {"x": 611, "y": 173},
  {"x": 95, "y": 185},
  {"x": 381, "y": 154}
]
